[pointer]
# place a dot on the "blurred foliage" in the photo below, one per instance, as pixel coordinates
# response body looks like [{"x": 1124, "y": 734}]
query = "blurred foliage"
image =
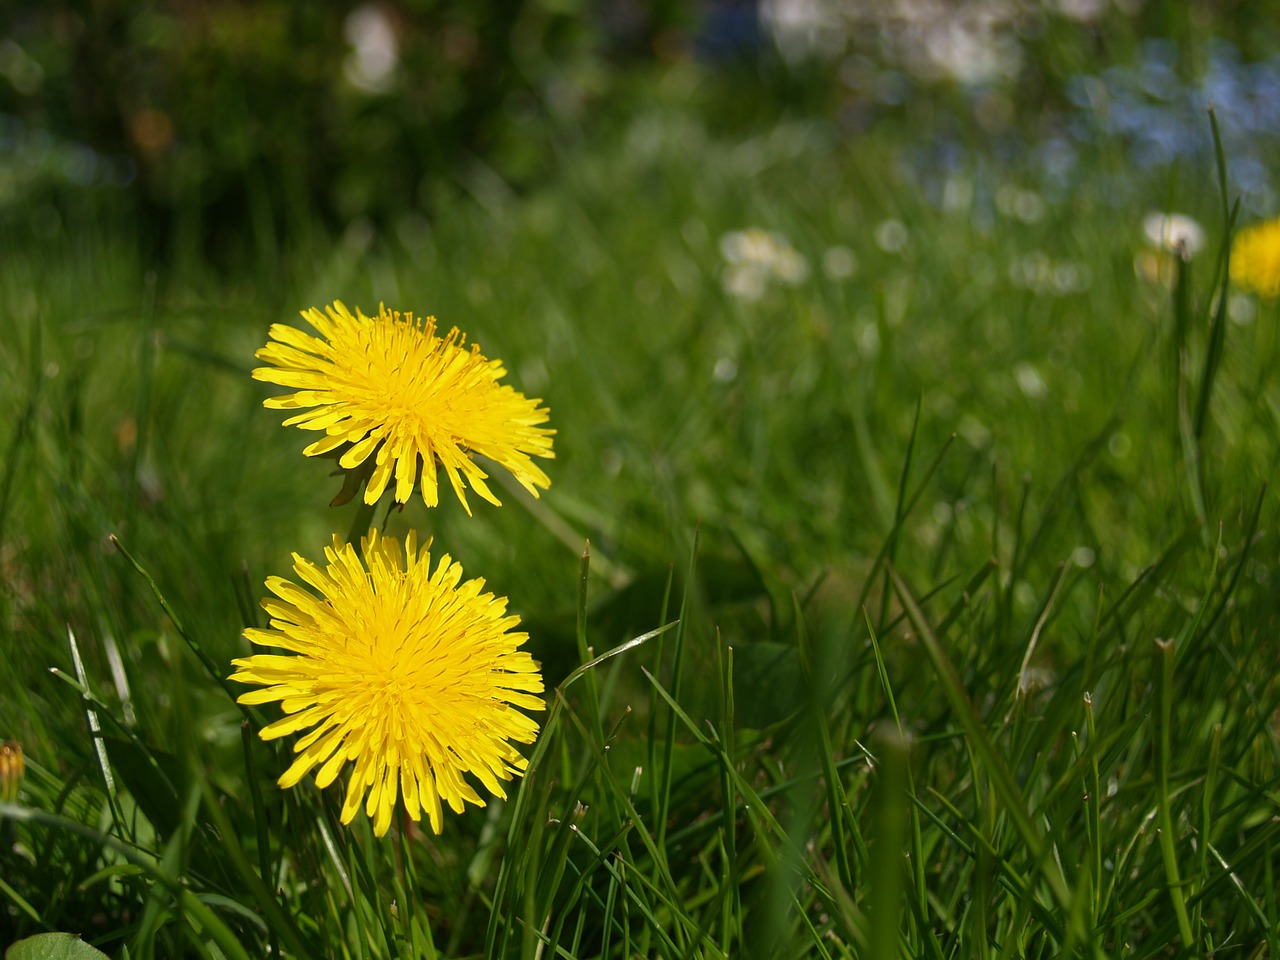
[
  {"x": 237, "y": 128},
  {"x": 253, "y": 118}
]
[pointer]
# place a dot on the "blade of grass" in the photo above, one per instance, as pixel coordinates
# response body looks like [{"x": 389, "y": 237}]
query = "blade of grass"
[
  {"x": 278, "y": 921},
  {"x": 1218, "y": 327},
  {"x": 1165, "y": 655},
  {"x": 891, "y": 542},
  {"x": 1002, "y": 780},
  {"x": 520, "y": 815},
  {"x": 837, "y": 804},
  {"x": 669, "y": 742},
  {"x": 886, "y": 871},
  {"x": 767, "y": 827},
  {"x": 189, "y": 903},
  {"x": 142, "y": 399},
  {"x": 22, "y": 429},
  {"x": 209, "y": 666},
  {"x": 592, "y": 697},
  {"x": 95, "y": 730}
]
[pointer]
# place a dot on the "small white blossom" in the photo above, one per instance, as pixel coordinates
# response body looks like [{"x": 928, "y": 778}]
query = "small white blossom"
[{"x": 1174, "y": 232}]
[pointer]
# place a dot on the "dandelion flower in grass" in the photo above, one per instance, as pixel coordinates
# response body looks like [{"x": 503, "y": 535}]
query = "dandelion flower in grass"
[
  {"x": 1174, "y": 233},
  {"x": 395, "y": 401},
  {"x": 408, "y": 673},
  {"x": 1255, "y": 259},
  {"x": 12, "y": 766}
]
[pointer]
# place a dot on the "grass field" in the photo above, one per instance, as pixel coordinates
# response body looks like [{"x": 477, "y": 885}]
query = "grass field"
[{"x": 946, "y": 493}]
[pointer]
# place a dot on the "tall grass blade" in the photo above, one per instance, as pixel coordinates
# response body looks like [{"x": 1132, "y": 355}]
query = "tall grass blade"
[
  {"x": 1165, "y": 655},
  {"x": 886, "y": 873},
  {"x": 1002, "y": 780}
]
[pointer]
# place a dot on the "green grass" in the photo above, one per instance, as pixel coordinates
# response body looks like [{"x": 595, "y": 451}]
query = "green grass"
[{"x": 958, "y": 626}]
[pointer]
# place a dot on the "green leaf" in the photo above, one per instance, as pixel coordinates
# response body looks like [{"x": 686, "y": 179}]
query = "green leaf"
[{"x": 53, "y": 946}]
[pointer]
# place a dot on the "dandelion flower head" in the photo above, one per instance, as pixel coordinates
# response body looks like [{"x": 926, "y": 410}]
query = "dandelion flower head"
[
  {"x": 1255, "y": 259},
  {"x": 1173, "y": 233},
  {"x": 12, "y": 766},
  {"x": 395, "y": 400},
  {"x": 409, "y": 673}
]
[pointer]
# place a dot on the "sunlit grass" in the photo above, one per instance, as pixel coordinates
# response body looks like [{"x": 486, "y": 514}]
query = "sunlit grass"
[{"x": 956, "y": 616}]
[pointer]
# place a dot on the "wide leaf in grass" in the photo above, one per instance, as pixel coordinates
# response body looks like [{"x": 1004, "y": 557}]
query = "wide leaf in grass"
[{"x": 53, "y": 946}]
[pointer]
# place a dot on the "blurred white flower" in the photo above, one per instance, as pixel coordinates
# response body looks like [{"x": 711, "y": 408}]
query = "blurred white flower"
[
  {"x": 957, "y": 194},
  {"x": 1029, "y": 380},
  {"x": 1083, "y": 557},
  {"x": 804, "y": 28},
  {"x": 755, "y": 257},
  {"x": 977, "y": 433},
  {"x": 971, "y": 51},
  {"x": 375, "y": 50},
  {"x": 1025, "y": 205},
  {"x": 868, "y": 335},
  {"x": 892, "y": 236},
  {"x": 1084, "y": 11},
  {"x": 744, "y": 282},
  {"x": 726, "y": 369},
  {"x": 1038, "y": 272},
  {"x": 838, "y": 262},
  {"x": 1241, "y": 308},
  {"x": 790, "y": 267},
  {"x": 1174, "y": 233},
  {"x": 1069, "y": 277}
]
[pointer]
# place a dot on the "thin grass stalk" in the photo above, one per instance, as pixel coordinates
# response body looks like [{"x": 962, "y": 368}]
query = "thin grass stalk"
[
  {"x": 1164, "y": 814},
  {"x": 95, "y": 730},
  {"x": 1218, "y": 332},
  {"x": 260, "y": 823},
  {"x": 142, "y": 399},
  {"x": 837, "y": 804},
  {"x": 1093, "y": 816},
  {"x": 523, "y": 844},
  {"x": 664, "y": 795},
  {"x": 22, "y": 428},
  {"x": 189, "y": 903},
  {"x": 279, "y": 923},
  {"x": 1191, "y": 454},
  {"x": 1002, "y": 779},
  {"x": 885, "y": 871},
  {"x": 654, "y": 780},
  {"x": 210, "y": 668},
  {"x": 731, "y": 894},
  {"x": 1206, "y": 821},
  {"x": 592, "y": 696},
  {"x": 917, "y": 841},
  {"x": 891, "y": 542},
  {"x": 768, "y": 830}
]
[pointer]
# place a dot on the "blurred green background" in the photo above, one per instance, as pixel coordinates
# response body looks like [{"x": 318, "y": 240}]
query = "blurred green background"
[{"x": 232, "y": 130}]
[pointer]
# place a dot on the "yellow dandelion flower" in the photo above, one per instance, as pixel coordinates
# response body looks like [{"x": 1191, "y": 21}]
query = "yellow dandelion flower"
[
  {"x": 1255, "y": 259},
  {"x": 412, "y": 675},
  {"x": 395, "y": 400},
  {"x": 11, "y": 768}
]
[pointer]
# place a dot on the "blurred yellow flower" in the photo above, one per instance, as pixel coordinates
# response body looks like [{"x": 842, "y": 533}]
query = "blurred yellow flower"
[
  {"x": 394, "y": 400},
  {"x": 12, "y": 766},
  {"x": 412, "y": 675},
  {"x": 1255, "y": 259}
]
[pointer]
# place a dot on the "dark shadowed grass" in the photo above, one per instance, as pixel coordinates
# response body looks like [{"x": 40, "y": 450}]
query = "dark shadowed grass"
[{"x": 939, "y": 593}]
